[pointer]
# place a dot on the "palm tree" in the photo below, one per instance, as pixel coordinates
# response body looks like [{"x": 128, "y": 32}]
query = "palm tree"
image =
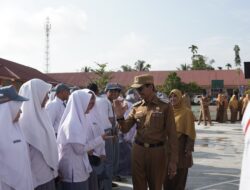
[
  {"x": 194, "y": 49},
  {"x": 228, "y": 66},
  {"x": 126, "y": 68},
  {"x": 237, "y": 59},
  {"x": 141, "y": 66},
  {"x": 184, "y": 67}
]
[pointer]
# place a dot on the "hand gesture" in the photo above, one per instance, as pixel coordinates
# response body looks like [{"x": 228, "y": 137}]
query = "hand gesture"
[
  {"x": 106, "y": 136},
  {"x": 119, "y": 108}
]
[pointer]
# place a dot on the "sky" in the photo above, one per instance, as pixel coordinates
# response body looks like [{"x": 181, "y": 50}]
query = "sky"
[{"x": 120, "y": 32}]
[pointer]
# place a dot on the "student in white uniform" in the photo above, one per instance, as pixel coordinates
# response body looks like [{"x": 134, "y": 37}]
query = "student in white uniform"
[
  {"x": 113, "y": 91},
  {"x": 39, "y": 134},
  {"x": 95, "y": 129},
  {"x": 15, "y": 171},
  {"x": 52, "y": 95},
  {"x": 56, "y": 107},
  {"x": 105, "y": 112},
  {"x": 126, "y": 140},
  {"x": 74, "y": 143},
  {"x": 245, "y": 168}
]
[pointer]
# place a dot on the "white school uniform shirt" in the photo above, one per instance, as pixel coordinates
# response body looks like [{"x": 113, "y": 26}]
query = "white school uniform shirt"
[
  {"x": 95, "y": 130},
  {"x": 245, "y": 168},
  {"x": 129, "y": 136},
  {"x": 38, "y": 130},
  {"x": 105, "y": 111},
  {"x": 42, "y": 173},
  {"x": 55, "y": 110},
  {"x": 15, "y": 170},
  {"x": 73, "y": 139}
]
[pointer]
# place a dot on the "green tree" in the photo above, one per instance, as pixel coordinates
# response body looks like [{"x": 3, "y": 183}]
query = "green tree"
[
  {"x": 194, "y": 49},
  {"x": 141, "y": 65},
  {"x": 199, "y": 62},
  {"x": 192, "y": 88},
  {"x": 184, "y": 67},
  {"x": 237, "y": 59},
  {"x": 103, "y": 76},
  {"x": 172, "y": 81},
  {"x": 126, "y": 68},
  {"x": 86, "y": 69},
  {"x": 228, "y": 66}
]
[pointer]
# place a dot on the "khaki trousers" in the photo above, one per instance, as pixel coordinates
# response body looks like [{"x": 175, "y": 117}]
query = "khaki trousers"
[{"x": 148, "y": 167}]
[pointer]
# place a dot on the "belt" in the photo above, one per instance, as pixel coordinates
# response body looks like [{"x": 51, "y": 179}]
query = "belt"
[{"x": 147, "y": 145}]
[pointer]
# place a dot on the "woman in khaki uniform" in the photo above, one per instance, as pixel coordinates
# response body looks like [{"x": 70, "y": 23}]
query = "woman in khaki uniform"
[
  {"x": 184, "y": 120},
  {"x": 233, "y": 106},
  {"x": 240, "y": 106},
  {"x": 225, "y": 117},
  {"x": 220, "y": 108},
  {"x": 155, "y": 125}
]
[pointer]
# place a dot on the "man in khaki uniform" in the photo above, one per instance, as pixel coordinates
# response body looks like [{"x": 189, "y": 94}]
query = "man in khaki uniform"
[
  {"x": 204, "y": 110},
  {"x": 155, "y": 128}
]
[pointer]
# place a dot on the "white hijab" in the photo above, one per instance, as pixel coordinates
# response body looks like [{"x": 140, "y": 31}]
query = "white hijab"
[
  {"x": 14, "y": 159},
  {"x": 35, "y": 122},
  {"x": 95, "y": 126},
  {"x": 72, "y": 127}
]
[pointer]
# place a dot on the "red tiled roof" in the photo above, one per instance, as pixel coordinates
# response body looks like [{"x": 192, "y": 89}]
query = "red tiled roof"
[
  {"x": 12, "y": 70},
  {"x": 201, "y": 77}
]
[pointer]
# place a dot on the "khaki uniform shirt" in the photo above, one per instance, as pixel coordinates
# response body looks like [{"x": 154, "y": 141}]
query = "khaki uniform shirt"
[
  {"x": 204, "y": 101},
  {"x": 155, "y": 123}
]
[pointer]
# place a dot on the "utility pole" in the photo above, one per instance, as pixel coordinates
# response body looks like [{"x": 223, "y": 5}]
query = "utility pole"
[{"x": 47, "y": 33}]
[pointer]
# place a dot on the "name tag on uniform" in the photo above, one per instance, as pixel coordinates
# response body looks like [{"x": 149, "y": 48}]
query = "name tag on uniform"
[
  {"x": 157, "y": 112},
  {"x": 17, "y": 141},
  {"x": 139, "y": 114}
]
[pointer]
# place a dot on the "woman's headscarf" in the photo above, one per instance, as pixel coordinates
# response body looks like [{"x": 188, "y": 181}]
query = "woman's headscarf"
[
  {"x": 73, "y": 125},
  {"x": 220, "y": 98},
  {"x": 233, "y": 102},
  {"x": 184, "y": 118},
  {"x": 35, "y": 122},
  {"x": 14, "y": 159},
  {"x": 95, "y": 125}
]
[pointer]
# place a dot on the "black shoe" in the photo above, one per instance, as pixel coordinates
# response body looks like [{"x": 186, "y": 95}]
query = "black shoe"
[{"x": 117, "y": 178}]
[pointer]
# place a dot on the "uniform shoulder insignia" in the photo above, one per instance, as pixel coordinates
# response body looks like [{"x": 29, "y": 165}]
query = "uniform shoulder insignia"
[
  {"x": 137, "y": 103},
  {"x": 166, "y": 101}
]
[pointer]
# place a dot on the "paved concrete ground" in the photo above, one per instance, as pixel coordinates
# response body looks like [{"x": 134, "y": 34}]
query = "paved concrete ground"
[{"x": 217, "y": 158}]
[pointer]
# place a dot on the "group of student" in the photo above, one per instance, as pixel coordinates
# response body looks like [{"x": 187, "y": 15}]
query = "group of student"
[
  {"x": 69, "y": 140},
  {"x": 56, "y": 134}
]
